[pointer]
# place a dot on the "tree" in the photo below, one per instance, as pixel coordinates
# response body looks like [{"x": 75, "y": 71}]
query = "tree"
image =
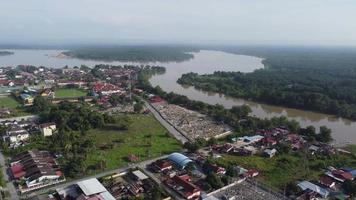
[
  {"x": 231, "y": 171},
  {"x": 214, "y": 180},
  {"x": 40, "y": 104},
  {"x": 324, "y": 135},
  {"x": 349, "y": 187},
  {"x": 138, "y": 106},
  {"x": 115, "y": 99},
  {"x": 191, "y": 146}
]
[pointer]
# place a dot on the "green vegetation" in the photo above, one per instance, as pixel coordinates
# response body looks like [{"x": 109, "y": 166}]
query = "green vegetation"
[
  {"x": 351, "y": 148},
  {"x": 69, "y": 93},
  {"x": 287, "y": 168},
  {"x": 314, "y": 79},
  {"x": 2, "y": 180},
  {"x": 15, "y": 107},
  {"x": 89, "y": 141},
  {"x": 133, "y": 53},
  {"x": 6, "y": 53},
  {"x": 144, "y": 137},
  {"x": 9, "y": 102}
]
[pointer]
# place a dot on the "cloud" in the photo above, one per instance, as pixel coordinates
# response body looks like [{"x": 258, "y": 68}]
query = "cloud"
[{"x": 228, "y": 21}]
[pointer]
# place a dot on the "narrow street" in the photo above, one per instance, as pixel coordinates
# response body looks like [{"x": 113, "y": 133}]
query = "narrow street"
[
  {"x": 118, "y": 170},
  {"x": 9, "y": 185},
  {"x": 173, "y": 131}
]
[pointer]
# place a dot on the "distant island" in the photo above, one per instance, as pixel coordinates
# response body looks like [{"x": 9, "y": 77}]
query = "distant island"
[
  {"x": 6, "y": 53},
  {"x": 133, "y": 53}
]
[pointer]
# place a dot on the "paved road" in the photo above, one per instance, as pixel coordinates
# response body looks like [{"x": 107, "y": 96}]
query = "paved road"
[
  {"x": 118, "y": 170},
  {"x": 10, "y": 186},
  {"x": 173, "y": 131}
]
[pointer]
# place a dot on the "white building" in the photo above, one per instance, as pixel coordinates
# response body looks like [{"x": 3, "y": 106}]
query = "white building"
[
  {"x": 48, "y": 129},
  {"x": 16, "y": 134}
]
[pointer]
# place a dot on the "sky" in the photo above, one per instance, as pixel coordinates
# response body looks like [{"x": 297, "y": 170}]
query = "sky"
[{"x": 300, "y": 22}]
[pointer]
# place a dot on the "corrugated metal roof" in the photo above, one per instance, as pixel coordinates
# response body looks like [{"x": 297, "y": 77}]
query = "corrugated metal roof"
[
  {"x": 140, "y": 175},
  {"x": 179, "y": 159},
  {"x": 107, "y": 196},
  {"x": 91, "y": 186},
  {"x": 308, "y": 185}
]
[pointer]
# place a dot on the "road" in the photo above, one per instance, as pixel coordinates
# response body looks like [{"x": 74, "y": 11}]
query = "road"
[
  {"x": 10, "y": 186},
  {"x": 173, "y": 131},
  {"x": 141, "y": 165}
]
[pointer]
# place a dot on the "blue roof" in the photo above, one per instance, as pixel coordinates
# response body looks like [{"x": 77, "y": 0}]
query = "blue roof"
[
  {"x": 179, "y": 160},
  {"x": 24, "y": 96}
]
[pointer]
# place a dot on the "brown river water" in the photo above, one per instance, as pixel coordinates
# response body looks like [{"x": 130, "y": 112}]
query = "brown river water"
[{"x": 344, "y": 131}]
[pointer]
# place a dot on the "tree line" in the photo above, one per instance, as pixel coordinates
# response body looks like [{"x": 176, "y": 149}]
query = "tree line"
[
  {"x": 237, "y": 117},
  {"x": 327, "y": 91}
]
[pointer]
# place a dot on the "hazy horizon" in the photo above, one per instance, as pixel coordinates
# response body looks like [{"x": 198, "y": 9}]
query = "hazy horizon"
[{"x": 230, "y": 22}]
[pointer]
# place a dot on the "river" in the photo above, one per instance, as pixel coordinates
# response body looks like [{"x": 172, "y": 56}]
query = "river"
[{"x": 344, "y": 131}]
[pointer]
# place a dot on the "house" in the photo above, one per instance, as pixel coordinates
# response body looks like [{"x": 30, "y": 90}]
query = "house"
[
  {"x": 342, "y": 175},
  {"x": 27, "y": 99},
  {"x": 37, "y": 168},
  {"x": 214, "y": 168},
  {"x": 306, "y": 185},
  {"x": 132, "y": 158},
  {"x": 268, "y": 141},
  {"x": 64, "y": 83},
  {"x": 269, "y": 152},
  {"x": 251, "y": 139},
  {"x": 105, "y": 89},
  {"x": 313, "y": 149},
  {"x": 226, "y": 148},
  {"x": 47, "y": 129},
  {"x": 251, "y": 173},
  {"x": 47, "y": 93},
  {"x": 6, "y": 83},
  {"x": 15, "y": 135},
  {"x": 90, "y": 189},
  {"x": 161, "y": 165},
  {"x": 5, "y": 112},
  {"x": 139, "y": 176},
  {"x": 155, "y": 99},
  {"x": 327, "y": 181},
  {"x": 179, "y": 160},
  {"x": 183, "y": 186}
]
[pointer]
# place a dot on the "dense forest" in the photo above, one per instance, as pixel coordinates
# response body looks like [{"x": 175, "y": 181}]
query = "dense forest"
[
  {"x": 134, "y": 53},
  {"x": 6, "y": 53},
  {"x": 322, "y": 81}
]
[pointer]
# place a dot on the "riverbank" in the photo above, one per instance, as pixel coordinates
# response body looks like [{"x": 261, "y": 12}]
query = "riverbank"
[{"x": 204, "y": 62}]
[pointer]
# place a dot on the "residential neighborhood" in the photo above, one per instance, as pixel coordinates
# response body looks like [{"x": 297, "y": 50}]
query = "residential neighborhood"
[{"x": 77, "y": 107}]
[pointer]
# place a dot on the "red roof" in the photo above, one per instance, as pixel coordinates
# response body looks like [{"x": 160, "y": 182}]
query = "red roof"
[
  {"x": 162, "y": 164},
  {"x": 132, "y": 158},
  {"x": 4, "y": 82},
  {"x": 156, "y": 99},
  {"x": 105, "y": 87},
  {"x": 268, "y": 140},
  {"x": 17, "y": 171},
  {"x": 326, "y": 180},
  {"x": 252, "y": 173},
  {"x": 342, "y": 175},
  {"x": 183, "y": 181}
]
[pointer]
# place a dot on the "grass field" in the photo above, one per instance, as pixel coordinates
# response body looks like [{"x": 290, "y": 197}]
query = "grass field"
[
  {"x": 8, "y": 102},
  {"x": 145, "y": 138},
  {"x": 69, "y": 93},
  {"x": 288, "y": 168}
]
